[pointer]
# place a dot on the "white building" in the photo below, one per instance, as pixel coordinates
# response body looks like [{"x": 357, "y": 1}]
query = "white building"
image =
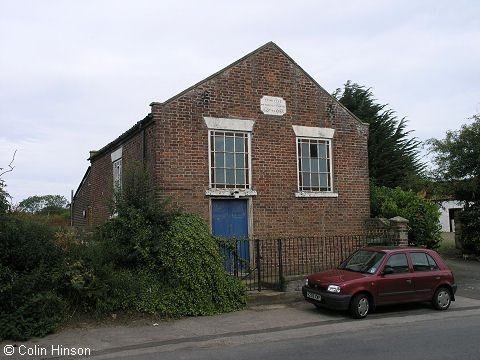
[{"x": 447, "y": 209}]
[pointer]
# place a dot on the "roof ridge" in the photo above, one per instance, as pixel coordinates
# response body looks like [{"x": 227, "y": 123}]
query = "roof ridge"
[
  {"x": 217, "y": 73},
  {"x": 149, "y": 117},
  {"x": 270, "y": 43}
]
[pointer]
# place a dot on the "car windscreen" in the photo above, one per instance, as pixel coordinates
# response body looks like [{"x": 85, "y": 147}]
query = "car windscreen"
[{"x": 363, "y": 261}]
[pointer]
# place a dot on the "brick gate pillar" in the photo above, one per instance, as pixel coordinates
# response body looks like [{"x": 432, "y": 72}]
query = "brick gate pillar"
[{"x": 400, "y": 228}]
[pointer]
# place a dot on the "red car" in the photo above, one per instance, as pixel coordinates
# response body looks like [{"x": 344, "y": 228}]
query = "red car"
[{"x": 375, "y": 276}]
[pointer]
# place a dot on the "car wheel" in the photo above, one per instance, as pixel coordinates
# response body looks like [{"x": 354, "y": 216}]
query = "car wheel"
[
  {"x": 442, "y": 299},
  {"x": 359, "y": 306}
]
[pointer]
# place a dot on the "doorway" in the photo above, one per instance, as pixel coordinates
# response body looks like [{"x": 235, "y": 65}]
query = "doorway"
[{"x": 230, "y": 221}]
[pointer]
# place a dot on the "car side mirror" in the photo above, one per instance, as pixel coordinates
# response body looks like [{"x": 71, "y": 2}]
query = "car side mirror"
[{"x": 388, "y": 270}]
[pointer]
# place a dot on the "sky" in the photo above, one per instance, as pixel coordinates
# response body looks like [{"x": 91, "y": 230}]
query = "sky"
[{"x": 74, "y": 75}]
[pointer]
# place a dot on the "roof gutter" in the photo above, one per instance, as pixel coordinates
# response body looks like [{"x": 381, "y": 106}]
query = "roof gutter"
[{"x": 134, "y": 130}]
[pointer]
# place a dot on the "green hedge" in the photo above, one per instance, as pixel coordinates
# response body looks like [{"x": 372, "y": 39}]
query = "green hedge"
[
  {"x": 193, "y": 279},
  {"x": 423, "y": 216},
  {"x": 178, "y": 272},
  {"x": 149, "y": 258},
  {"x": 470, "y": 218},
  {"x": 30, "y": 267}
]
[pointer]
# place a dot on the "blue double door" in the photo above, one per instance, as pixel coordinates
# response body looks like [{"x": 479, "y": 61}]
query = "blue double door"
[{"x": 230, "y": 220}]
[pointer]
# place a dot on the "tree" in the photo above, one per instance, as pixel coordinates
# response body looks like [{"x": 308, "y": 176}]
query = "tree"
[
  {"x": 44, "y": 205},
  {"x": 423, "y": 216},
  {"x": 457, "y": 160},
  {"x": 10, "y": 167},
  {"x": 4, "y": 205},
  {"x": 4, "y": 196},
  {"x": 392, "y": 154}
]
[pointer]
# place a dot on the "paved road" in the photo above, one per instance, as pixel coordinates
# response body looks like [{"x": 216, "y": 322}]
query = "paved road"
[
  {"x": 452, "y": 338},
  {"x": 467, "y": 276},
  {"x": 269, "y": 327},
  {"x": 412, "y": 331},
  {"x": 301, "y": 330},
  {"x": 418, "y": 333},
  {"x": 291, "y": 330}
]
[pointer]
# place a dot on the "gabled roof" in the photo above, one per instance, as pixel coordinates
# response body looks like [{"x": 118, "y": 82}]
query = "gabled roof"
[
  {"x": 146, "y": 121},
  {"x": 81, "y": 182},
  {"x": 125, "y": 136},
  {"x": 270, "y": 43}
]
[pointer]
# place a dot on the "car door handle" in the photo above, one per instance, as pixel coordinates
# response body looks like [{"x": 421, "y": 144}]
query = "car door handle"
[
  {"x": 437, "y": 277},
  {"x": 408, "y": 280}
]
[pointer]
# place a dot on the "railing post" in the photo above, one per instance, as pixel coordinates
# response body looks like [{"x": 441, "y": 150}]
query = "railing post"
[
  {"x": 257, "y": 261},
  {"x": 235, "y": 258},
  {"x": 280, "y": 265}
]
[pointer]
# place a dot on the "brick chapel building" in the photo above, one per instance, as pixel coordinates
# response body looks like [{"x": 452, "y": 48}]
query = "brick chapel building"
[{"x": 257, "y": 148}]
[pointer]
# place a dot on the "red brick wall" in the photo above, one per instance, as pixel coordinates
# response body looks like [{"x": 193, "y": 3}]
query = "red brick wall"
[
  {"x": 182, "y": 147},
  {"x": 177, "y": 149},
  {"x": 101, "y": 173},
  {"x": 81, "y": 203}
]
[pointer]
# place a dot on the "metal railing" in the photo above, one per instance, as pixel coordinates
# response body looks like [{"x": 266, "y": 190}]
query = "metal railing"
[{"x": 269, "y": 263}]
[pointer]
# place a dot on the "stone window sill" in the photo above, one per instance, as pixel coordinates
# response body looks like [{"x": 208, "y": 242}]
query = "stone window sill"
[
  {"x": 235, "y": 193},
  {"x": 315, "y": 194}
]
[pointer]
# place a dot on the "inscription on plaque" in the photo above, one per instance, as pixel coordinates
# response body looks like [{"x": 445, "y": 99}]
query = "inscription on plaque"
[{"x": 271, "y": 105}]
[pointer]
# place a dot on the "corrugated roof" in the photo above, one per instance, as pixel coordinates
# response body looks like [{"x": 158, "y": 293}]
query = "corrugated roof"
[{"x": 126, "y": 135}]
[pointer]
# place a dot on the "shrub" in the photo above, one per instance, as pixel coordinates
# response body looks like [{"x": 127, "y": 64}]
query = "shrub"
[
  {"x": 26, "y": 244},
  {"x": 149, "y": 258},
  {"x": 88, "y": 281},
  {"x": 190, "y": 277},
  {"x": 422, "y": 215},
  {"x": 152, "y": 258},
  {"x": 4, "y": 196},
  {"x": 470, "y": 218},
  {"x": 35, "y": 315},
  {"x": 108, "y": 274},
  {"x": 99, "y": 288},
  {"x": 130, "y": 239},
  {"x": 177, "y": 272},
  {"x": 29, "y": 268}
]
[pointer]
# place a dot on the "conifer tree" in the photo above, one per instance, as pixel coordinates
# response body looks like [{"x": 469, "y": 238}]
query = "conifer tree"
[{"x": 392, "y": 153}]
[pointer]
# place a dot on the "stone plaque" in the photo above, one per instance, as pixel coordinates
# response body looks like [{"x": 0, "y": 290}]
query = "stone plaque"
[{"x": 271, "y": 105}]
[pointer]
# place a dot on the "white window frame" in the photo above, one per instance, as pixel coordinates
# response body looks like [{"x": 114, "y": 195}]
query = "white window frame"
[
  {"x": 237, "y": 126},
  {"x": 314, "y": 133},
  {"x": 248, "y": 186},
  {"x": 117, "y": 174},
  {"x": 117, "y": 166}
]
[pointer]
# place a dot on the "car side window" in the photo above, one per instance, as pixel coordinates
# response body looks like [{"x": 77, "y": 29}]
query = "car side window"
[
  {"x": 399, "y": 263},
  {"x": 420, "y": 261},
  {"x": 432, "y": 263}
]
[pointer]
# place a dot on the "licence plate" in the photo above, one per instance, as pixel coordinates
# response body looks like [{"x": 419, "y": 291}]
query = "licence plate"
[{"x": 314, "y": 296}]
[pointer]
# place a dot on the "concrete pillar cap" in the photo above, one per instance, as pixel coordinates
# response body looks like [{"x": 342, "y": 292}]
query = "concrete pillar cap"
[{"x": 399, "y": 219}]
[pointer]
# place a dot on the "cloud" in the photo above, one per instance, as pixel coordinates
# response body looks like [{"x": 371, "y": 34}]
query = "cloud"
[{"x": 75, "y": 75}]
